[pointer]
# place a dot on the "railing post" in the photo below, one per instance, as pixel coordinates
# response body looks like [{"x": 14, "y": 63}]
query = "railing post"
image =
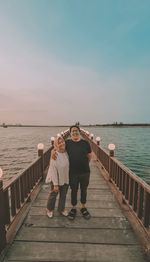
[
  {"x": 87, "y": 133},
  {"x": 40, "y": 154},
  {"x": 146, "y": 209},
  {"x": 92, "y": 136},
  {"x": 62, "y": 134},
  {"x": 52, "y": 140},
  {"x": 2, "y": 221},
  {"x": 98, "y": 144},
  {"x": 98, "y": 140},
  {"x": 111, "y": 148}
]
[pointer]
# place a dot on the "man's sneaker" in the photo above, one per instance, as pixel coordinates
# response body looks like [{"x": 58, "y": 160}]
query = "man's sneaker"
[
  {"x": 72, "y": 214},
  {"x": 85, "y": 213},
  {"x": 49, "y": 213}
]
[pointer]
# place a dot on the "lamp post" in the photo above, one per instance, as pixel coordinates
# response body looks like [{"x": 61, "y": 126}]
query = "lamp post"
[
  {"x": 40, "y": 148},
  {"x": 98, "y": 139},
  {"x": 97, "y": 147},
  {"x": 92, "y": 136},
  {"x": 111, "y": 148},
  {"x": 52, "y": 140},
  {"x": 1, "y": 173},
  {"x": 2, "y": 215},
  {"x": 87, "y": 132}
]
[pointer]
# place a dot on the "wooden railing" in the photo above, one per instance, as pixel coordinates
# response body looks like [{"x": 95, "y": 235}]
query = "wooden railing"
[
  {"x": 15, "y": 193},
  {"x": 135, "y": 192}
]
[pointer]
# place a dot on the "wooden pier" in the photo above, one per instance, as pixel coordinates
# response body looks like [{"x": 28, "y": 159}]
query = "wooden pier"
[{"x": 107, "y": 236}]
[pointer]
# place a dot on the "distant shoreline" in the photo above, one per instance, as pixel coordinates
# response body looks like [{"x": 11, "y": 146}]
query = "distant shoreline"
[{"x": 90, "y": 125}]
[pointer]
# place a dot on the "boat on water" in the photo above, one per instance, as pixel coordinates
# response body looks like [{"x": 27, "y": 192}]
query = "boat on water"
[{"x": 4, "y": 125}]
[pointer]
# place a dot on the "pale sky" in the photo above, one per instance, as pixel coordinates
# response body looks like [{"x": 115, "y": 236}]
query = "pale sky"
[{"x": 63, "y": 61}]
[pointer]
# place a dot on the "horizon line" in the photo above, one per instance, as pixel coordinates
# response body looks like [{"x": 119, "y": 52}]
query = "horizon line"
[{"x": 87, "y": 125}]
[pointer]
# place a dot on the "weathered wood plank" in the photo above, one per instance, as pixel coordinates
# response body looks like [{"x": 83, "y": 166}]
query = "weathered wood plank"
[
  {"x": 105, "y": 190},
  {"x": 90, "y": 204},
  {"x": 95, "y": 212},
  {"x": 34, "y": 251},
  {"x": 78, "y": 235},
  {"x": 97, "y": 186},
  {"x": 90, "y": 196},
  {"x": 94, "y": 186},
  {"x": 80, "y": 222}
]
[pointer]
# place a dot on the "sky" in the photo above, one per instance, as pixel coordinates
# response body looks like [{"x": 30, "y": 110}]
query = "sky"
[{"x": 63, "y": 61}]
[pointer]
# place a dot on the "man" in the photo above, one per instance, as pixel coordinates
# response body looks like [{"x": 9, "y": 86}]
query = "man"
[{"x": 79, "y": 152}]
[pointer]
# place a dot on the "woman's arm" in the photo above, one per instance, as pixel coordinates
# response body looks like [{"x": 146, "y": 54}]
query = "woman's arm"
[
  {"x": 52, "y": 174},
  {"x": 89, "y": 155}
]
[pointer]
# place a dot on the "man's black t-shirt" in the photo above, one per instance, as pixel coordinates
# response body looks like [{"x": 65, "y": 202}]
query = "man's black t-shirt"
[{"x": 77, "y": 152}]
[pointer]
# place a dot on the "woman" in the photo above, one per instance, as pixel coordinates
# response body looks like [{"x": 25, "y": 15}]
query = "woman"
[{"x": 58, "y": 176}]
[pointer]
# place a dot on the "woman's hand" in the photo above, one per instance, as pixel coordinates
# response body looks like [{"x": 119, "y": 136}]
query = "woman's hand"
[
  {"x": 56, "y": 189},
  {"x": 54, "y": 154}
]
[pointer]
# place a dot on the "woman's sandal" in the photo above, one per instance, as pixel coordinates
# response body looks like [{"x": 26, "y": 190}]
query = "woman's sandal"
[
  {"x": 64, "y": 213},
  {"x": 72, "y": 214},
  {"x": 85, "y": 213}
]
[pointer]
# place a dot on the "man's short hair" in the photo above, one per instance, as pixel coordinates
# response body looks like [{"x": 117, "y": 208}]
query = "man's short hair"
[{"x": 73, "y": 127}]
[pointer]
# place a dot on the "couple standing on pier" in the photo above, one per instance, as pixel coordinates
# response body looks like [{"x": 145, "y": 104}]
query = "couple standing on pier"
[{"x": 69, "y": 166}]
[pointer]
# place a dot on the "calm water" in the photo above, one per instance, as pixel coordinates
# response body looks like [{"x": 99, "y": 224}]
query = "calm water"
[{"x": 18, "y": 146}]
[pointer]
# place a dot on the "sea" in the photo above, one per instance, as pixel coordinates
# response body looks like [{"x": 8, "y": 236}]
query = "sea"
[{"x": 18, "y": 146}]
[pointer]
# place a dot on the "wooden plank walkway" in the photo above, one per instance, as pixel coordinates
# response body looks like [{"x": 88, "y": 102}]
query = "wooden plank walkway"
[{"x": 107, "y": 236}]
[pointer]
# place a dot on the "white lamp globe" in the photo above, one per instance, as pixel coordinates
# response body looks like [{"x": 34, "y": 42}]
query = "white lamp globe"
[
  {"x": 111, "y": 147},
  {"x": 91, "y": 136},
  {"x": 1, "y": 172},
  {"x": 98, "y": 139},
  {"x": 40, "y": 146}
]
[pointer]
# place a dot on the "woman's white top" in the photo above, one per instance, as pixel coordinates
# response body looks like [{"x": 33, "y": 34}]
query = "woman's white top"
[{"x": 58, "y": 171}]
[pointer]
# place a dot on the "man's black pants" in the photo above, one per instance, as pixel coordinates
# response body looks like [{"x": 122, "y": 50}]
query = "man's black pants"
[{"x": 75, "y": 180}]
